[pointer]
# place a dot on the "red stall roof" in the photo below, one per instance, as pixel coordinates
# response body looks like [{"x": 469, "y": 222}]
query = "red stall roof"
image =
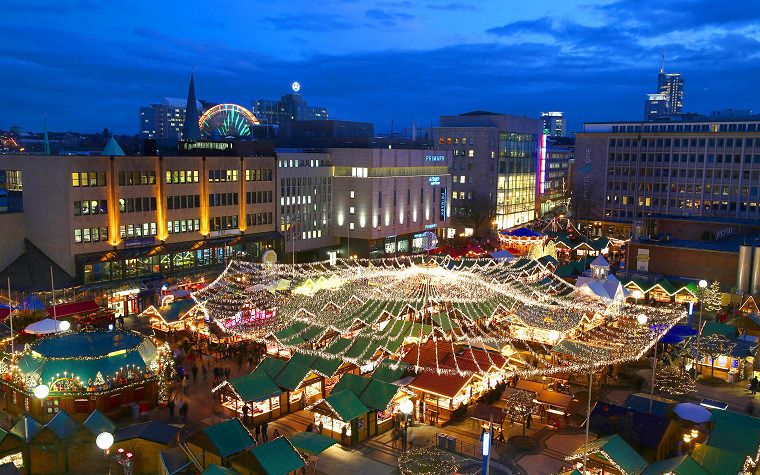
[{"x": 73, "y": 308}]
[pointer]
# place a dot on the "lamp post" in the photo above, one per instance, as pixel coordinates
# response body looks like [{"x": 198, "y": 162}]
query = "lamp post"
[
  {"x": 104, "y": 441},
  {"x": 406, "y": 408},
  {"x": 642, "y": 319},
  {"x": 702, "y": 287}
]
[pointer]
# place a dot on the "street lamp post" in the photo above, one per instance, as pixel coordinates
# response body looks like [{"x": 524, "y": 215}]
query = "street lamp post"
[
  {"x": 406, "y": 408},
  {"x": 702, "y": 287},
  {"x": 104, "y": 441},
  {"x": 642, "y": 319}
]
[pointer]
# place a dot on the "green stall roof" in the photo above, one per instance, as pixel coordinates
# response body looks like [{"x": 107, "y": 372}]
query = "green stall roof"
[
  {"x": 614, "y": 449},
  {"x": 277, "y": 457},
  {"x": 215, "y": 469},
  {"x": 378, "y": 394},
  {"x": 256, "y": 386},
  {"x": 271, "y": 366},
  {"x": 292, "y": 375},
  {"x": 97, "y": 422},
  {"x": 683, "y": 465},
  {"x": 386, "y": 371},
  {"x": 346, "y": 405},
  {"x": 312, "y": 442},
  {"x": 354, "y": 383},
  {"x": 229, "y": 437}
]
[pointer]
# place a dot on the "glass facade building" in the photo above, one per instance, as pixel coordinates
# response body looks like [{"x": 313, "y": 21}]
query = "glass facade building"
[{"x": 516, "y": 185}]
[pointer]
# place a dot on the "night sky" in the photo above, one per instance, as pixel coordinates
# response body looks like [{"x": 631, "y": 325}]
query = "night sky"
[{"x": 91, "y": 64}]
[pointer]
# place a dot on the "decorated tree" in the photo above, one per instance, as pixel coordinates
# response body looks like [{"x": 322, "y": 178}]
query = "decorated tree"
[
  {"x": 713, "y": 346},
  {"x": 712, "y": 297},
  {"x": 674, "y": 381},
  {"x": 428, "y": 460},
  {"x": 520, "y": 407}
]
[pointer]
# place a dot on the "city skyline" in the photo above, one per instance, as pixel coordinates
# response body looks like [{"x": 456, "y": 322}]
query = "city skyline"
[{"x": 397, "y": 61}]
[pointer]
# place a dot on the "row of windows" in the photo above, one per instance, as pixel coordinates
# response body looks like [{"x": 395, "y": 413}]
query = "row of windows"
[
  {"x": 137, "y": 230},
  {"x": 258, "y": 196},
  {"x": 675, "y": 204},
  {"x": 131, "y": 205},
  {"x": 688, "y": 128},
  {"x": 686, "y": 142},
  {"x": 258, "y": 174},
  {"x": 183, "y": 225},
  {"x": 182, "y": 176},
  {"x": 90, "y": 235},
  {"x": 222, "y": 199},
  {"x": 649, "y": 188},
  {"x": 221, "y": 176},
  {"x": 219, "y": 223},
  {"x": 258, "y": 219},
  {"x": 84, "y": 179},
  {"x": 183, "y": 201},
  {"x": 455, "y": 140},
  {"x": 302, "y": 163},
  {"x": 144, "y": 177},
  {"x": 305, "y": 181},
  {"x": 408, "y": 196},
  {"x": 621, "y": 173},
  {"x": 90, "y": 207},
  {"x": 684, "y": 157}
]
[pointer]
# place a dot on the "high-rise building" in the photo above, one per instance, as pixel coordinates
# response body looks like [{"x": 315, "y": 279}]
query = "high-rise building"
[
  {"x": 554, "y": 124},
  {"x": 164, "y": 121},
  {"x": 493, "y": 168},
  {"x": 291, "y": 106},
  {"x": 554, "y": 187},
  {"x": 671, "y": 85}
]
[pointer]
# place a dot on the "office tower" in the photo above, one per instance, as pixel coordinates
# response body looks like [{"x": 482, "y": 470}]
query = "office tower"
[{"x": 554, "y": 124}]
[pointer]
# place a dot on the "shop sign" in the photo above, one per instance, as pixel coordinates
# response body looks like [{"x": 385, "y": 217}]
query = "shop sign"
[
  {"x": 725, "y": 232},
  {"x": 124, "y": 293},
  {"x": 224, "y": 232},
  {"x": 431, "y": 226},
  {"x": 140, "y": 242},
  {"x": 435, "y": 158},
  {"x": 443, "y": 203},
  {"x": 434, "y": 180}
]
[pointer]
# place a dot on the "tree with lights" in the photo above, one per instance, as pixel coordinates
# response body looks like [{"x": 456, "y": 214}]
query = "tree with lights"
[
  {"x": 428, "y": 460},
  {"x": 520, "y": 406},
  {"x": 674, "y": 381},
  {"x": 714, "y": 346},
  {"x": 712, "y": 298}
]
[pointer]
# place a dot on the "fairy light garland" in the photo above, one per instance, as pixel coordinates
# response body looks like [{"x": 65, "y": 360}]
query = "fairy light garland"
[{"x": 504, "y": 305}]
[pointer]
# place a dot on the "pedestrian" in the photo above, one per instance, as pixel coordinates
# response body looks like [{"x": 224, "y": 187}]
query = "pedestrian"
[
  {"x": 171, "y": 409},
  {"x": 245, "y": 415},
  {"x": 264, "y": 431},
  {"x": 275, "y": 433},
  {"x": 257, "y": 432},
  {"x": 183, "y": 408},
  {"x": 185, "y": 385},
  {"x": 227, "y": 372},
  {"x": 205, "y": 373},
  {"x": 755, "y": 384},
  {"x": 194, "y": 369}
]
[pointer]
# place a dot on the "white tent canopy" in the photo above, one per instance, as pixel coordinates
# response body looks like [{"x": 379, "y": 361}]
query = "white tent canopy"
[{"x": 44, "y": 327}]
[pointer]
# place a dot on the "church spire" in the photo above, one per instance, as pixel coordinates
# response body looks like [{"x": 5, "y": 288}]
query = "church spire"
[{"x": 191, "y": 129}]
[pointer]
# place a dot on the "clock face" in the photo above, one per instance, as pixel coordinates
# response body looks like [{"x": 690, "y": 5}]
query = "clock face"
[{"x": 296, "y": 86}]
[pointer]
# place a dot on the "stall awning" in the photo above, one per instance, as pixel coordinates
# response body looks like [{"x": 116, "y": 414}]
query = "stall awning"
[
  {"x": 312, "y": 442},
  {"x": 342, "y": 404},
  {"x": 487, "y": 412},
  {"x": 277, "y": 457},
  {"x": 256, "y": 386},
  {"x": 73, "y": 308},
  {"x": 176, "y": 310}
]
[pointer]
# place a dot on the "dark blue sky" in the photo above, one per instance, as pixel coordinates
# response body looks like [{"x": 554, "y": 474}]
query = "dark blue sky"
[{"x": 91, "y": 63}]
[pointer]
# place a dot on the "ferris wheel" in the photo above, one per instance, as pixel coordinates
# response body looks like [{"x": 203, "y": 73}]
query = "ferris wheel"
[{"x": 227, "y": 120}]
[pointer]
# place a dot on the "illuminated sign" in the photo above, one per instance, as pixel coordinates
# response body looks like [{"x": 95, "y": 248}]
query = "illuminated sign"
[
  {"x": 542, "y": 162},
  {"x": 140, "y": 242},
  {"x": 443, "y": 213},
  {"x": 431, "y": 226},
  {"x": 435, "y": 158},
  {"x": 434, "y": 180}
]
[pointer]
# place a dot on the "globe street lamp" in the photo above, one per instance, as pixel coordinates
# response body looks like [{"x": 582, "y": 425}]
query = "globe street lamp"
[
  {"x": 64, "y": 325},
  {"x": 104, "y": 441},
  {"x": 702, "y": 287},
  {"x": 41, "y": 391},
  {"x": 406, "y": 408}
]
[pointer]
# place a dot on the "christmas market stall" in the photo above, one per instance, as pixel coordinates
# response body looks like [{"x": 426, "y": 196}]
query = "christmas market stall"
[
  {"x": 342, "y": 416},
  {"x": 175, "y": 316},
  {"x": 256, "y": 390},
  {"x": 609, "y": 455},
  {"x": 471, "y": 322},
  {"x": 80, "y": 372},
  {"x": 725, "y": 354},
  {"x": 218, "y": 443}
]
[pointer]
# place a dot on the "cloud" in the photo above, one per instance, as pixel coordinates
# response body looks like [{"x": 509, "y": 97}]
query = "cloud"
[
  {"x": 454, "y": 6},
  {"x": 309, "y": 22},
  {"x": 387, "y": 17}
]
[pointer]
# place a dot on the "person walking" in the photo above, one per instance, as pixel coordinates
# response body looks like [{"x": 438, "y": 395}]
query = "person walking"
[
  {"x": 275, "y": 433},
  {"x": 264, "y": 427},
  {"x": 183, "y": 408},
  {"x": 194, "y": 369},
  {"x": 753, "y": 384},
  {"x": 185, "y": 385},
  {"x": 171, "y": 409},
  {"x": 245, "y": 415},
  {"x": 257, "y": 432}
]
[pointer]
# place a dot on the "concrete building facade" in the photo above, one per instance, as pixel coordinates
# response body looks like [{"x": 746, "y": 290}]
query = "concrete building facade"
[
  {"x": 389, "y": 201},
  {"x": 495, "y": 161}
]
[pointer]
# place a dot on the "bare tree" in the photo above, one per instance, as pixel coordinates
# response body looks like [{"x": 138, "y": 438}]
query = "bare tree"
[
  {"x": 479, "y": 213},
  {"x": 714, "y": 346}
]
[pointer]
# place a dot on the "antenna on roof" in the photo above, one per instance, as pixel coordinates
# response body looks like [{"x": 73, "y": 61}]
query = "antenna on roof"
[{"x": 47, "y": 140}]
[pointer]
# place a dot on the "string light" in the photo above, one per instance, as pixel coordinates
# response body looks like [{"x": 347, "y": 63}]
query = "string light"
[{"x": 389, "y": 305}]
